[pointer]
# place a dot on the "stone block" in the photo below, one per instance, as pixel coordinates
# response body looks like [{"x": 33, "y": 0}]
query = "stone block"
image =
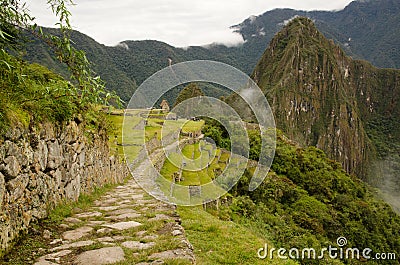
[
  {"x": 54, "y": 154},
  {"x": 16, "y": 187},
  {"x": 2, "y": 189},
  {"x": 12, "y": 167}
]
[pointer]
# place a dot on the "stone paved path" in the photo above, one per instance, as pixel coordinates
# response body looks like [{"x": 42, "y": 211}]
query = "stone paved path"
[{"x": 125, "y": 226}]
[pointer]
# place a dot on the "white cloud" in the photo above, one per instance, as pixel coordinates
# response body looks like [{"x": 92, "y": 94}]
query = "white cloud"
[
  {"x": 123, "y": 45},
  {"x": 252, "y": 19},
  {"x": 287, "y": 21},
  {"x": 177, "y": 22}
]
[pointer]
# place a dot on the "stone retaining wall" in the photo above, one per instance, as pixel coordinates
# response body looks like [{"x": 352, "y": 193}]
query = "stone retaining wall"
[{"x": 43, "y": 166}]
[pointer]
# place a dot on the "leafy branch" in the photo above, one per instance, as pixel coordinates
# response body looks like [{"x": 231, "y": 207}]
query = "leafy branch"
[{"x": 15, "y": 18}]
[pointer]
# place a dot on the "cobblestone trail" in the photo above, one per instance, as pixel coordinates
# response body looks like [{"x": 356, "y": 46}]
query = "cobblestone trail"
[{"x": 125, "y": 226}]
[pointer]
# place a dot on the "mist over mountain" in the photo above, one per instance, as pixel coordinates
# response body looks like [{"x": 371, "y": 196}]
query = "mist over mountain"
[{"x": 364, "y": 29}]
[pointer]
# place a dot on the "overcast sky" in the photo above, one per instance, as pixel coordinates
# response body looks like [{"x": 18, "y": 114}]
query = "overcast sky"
[{"x": 177, "y": 22}]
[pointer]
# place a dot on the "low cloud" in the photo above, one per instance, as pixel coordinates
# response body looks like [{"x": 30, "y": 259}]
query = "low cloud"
[
  {"x": 230, "y": 39},
  {"x": 123, "y": 45},
  {"x": 287, "y": 21}
]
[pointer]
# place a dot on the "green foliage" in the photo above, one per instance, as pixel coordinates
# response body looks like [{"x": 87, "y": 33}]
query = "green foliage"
[
  {"x": 190, "y": 91},
  {"x": 243, "y": 206},
  {"x": 255, "y": 144},
  {"x": 308, "y": 200},
  {"x": 13, "y": 16},
  {"x": 370, "y": 25},
  {"x": 31, "y": 94},
  {"x": 385, "y": 133},
  {"x": 216, "y": 131}
]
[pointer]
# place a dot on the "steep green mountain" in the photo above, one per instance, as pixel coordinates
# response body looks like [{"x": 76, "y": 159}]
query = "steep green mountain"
[
  {"x": 321, "y": 97},
  {"x": 306, "y": 79},
  {"x": 364, "y": 29}
]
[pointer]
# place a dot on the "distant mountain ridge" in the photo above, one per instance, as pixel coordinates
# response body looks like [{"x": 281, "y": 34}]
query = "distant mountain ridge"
[{"x": 365, "y": 29}]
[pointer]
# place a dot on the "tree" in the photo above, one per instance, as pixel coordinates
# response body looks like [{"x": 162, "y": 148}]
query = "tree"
[{"x": 190, "y": 91}]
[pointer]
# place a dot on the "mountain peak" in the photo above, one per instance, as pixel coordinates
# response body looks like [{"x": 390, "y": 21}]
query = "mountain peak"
[
  {"x": 298, "y": 46},
  {"x": 299, "y": 29},
  {"x": 303, "y": 22},
  {"x": 307, "y": 80}
]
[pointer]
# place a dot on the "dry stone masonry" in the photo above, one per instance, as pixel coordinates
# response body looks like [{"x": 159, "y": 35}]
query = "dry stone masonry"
[{"x": 43, "y": 166}]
